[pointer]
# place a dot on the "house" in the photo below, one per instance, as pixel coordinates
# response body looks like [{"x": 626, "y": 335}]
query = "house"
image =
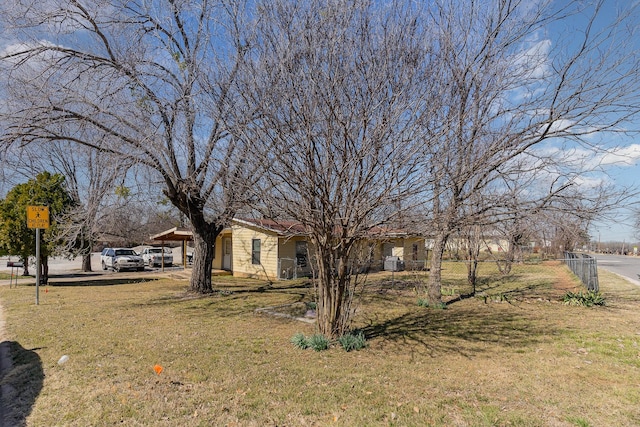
[
  {"x": 273, "y": 250},
  {"x": 270, "y": 249}
]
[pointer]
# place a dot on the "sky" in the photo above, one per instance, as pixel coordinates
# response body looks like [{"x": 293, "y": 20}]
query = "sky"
[{"x": 621, "y": 167}]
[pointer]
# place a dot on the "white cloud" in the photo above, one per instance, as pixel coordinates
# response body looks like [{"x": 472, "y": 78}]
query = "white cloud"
[
  {"x": 534, "y": 62},
  {"x": 622, "y": 156}
]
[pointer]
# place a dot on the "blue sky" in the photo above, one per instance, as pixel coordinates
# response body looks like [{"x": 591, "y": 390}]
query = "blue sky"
[{"x": 622, "y": 168}]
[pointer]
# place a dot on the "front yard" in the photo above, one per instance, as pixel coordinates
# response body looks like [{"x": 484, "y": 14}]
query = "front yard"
[{"x": 513, "y": 355}]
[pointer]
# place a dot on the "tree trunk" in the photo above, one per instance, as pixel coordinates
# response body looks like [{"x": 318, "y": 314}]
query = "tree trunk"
[
  {"x": 44, "y": 270},
  {"x": 204, "y": 238},
  {"x": 473, "y": 252},
  {"x": 86, "y": 263},
  {"x": 434, "y": 285},
  {"x": 472, "y": 274},
  {"x": 334, "y": 279}
]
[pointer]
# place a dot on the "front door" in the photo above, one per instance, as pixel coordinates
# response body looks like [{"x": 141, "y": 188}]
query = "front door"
[{"x": 226, "y": 253}]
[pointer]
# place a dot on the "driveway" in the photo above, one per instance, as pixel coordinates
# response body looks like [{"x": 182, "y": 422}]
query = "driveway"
[{"x": 63, "y": 270}]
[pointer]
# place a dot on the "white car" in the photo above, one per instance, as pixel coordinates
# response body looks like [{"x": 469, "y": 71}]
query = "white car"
[
  {"x": 120, "y": 259},
  {"x": 154, "y": 256}
]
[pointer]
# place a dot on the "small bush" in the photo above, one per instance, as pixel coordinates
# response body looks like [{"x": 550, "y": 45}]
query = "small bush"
[
  {"x": 353, "y": 341},
  {"x": 422, "y": 302},
  {"x": 584, "y": 299},
  {"x": 300, "y": 341},
  {"x": 318, "y": 342},
  {"x": 449, "y": 291},
  {"x": 311, "y": 305}
]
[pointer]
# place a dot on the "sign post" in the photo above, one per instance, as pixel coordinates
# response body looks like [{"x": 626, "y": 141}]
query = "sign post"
[{"x": 38, "y": 218}]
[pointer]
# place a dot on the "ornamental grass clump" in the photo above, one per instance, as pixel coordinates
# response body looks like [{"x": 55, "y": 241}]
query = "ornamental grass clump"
[
  {"x": 353, "y": 341},
  {"x": 300, "y": 341},
  {"x": 584, "y": 299},
  {"x": 318, "y": 342}
]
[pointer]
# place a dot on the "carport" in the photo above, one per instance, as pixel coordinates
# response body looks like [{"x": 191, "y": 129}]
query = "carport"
[{"x": 176, "y": 234}]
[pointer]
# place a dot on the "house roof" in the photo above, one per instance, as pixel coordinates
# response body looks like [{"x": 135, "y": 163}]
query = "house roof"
[
  {"x": 282, "y": 228},
  {"x": 175, "y": 234},
  {"x": 297, "y": 228},
  {"x": 382, "y": 231},
  {"x": 278, "y": 227}
]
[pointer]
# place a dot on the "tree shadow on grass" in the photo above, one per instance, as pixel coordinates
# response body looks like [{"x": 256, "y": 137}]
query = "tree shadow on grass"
[
  {"x": 22, "y": 378},
  {"x": 458, "y": 331},
  {"x": 100, "y": 282},
  {"x": 232, "y": 300}
]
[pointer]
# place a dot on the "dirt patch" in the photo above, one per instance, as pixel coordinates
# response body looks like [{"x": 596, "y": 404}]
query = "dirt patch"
[{"x": 300, "y": 311}]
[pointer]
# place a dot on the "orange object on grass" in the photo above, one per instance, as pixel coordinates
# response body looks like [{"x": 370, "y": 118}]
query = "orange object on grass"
[{"x": 158, "y": 369}]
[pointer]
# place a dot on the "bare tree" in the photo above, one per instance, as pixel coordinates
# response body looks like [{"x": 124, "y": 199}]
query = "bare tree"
[
  {"x": 153, "y": 81},
  {"x": 91, "y": 179},
  {"x": 336, "y": 84},
  {"x": 504, "y": 92}
]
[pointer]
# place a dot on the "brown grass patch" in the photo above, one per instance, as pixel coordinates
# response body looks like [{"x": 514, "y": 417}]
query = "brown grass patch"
[{"x": 515, "y": 355}]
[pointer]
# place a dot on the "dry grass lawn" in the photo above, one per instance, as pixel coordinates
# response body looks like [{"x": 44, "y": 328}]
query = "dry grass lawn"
[{"x": 514, "y": 355}]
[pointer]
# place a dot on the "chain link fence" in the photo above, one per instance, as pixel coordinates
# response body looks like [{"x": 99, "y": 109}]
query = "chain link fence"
[
  {"x": 293, "y": 268},
  {"x": 585, "y": 267},
  {"x": 491, "y": 274},
  {"x": 455, "y": 272}
]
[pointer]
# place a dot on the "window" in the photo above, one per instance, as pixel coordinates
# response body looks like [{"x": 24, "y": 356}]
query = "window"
[
  {"x": 301, "y": 254},
  {"x": 415, "y": 251},
  {"x": 255, "y": 251}
]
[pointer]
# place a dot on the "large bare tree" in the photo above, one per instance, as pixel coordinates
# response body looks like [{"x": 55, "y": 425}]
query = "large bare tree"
[
  {"x": 150, "y": 82},
  {"x": 337, "y": 87},
  {"x": 507, "y": 96}
]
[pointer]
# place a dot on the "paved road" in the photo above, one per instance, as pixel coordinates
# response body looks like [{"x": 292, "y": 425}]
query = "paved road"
[{"x": 627, "y": 266}]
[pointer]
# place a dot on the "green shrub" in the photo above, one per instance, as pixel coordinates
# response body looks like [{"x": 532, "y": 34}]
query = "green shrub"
[
  {"x": 353, "y": 341},
  {"x": 449, "y": 291},
  {"x": 300, "y": 341},
  {"x": 423, "y": 302},
  {"x": 318, "y": 342},
  {"x": 584, "y": 299}
]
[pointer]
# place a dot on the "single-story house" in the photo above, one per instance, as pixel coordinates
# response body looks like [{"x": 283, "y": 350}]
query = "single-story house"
[{"x": 269, "y": 249}]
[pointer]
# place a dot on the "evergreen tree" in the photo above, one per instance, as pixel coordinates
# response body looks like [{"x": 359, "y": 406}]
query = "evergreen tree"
[{"x": 15, "y": 237}]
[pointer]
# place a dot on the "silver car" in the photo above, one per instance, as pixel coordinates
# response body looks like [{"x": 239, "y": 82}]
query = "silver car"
[
  {"x": 120, "y": 259},
  {"x": 157, "y": 256}
]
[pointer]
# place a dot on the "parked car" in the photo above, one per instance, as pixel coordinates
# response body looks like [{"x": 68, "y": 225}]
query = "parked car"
[
  {"x": 154, "y": 256},
  {"x": 120, "y": 259}
]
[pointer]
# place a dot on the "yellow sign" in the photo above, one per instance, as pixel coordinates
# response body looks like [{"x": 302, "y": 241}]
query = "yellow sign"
[{"x": 38, "y": 216}]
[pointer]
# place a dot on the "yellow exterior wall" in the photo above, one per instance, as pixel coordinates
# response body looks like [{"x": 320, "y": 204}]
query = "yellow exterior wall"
[
  {"x": 274, "y": 247},
  {"x": 242, "y": 241},
  {"x": 217, "y": 259},
  {"x": 400, "y": 247},
  {"x": 420, "y": 256}
]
